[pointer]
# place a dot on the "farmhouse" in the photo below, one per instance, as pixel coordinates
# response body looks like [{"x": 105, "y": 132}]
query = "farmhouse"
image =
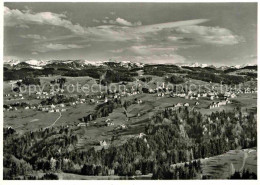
[
  {"x": 81, "y": 125},
  {"x": 179, "y": 105},
  {"x": 123, "y": 126},
  {"x": 141, "y": 135},
  {"x": 63, "y": 110},
  {"x": 186, "y": 104},
  {"x": 103, "y": 143}
]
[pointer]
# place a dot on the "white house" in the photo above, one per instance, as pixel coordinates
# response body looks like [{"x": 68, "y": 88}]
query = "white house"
[
  {"x": 186, "y": 104},
  {"x": 103, "y": 143}
]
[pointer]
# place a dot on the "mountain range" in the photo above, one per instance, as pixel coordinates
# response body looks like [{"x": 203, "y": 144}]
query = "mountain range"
[{"x": 39, "y": 64}]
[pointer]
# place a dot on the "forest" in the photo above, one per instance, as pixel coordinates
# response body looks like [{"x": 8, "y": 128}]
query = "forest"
[{"x": 172, "y": 136}]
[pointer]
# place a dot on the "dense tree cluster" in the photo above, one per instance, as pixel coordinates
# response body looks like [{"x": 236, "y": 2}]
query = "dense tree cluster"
[
  {"x": 174, "y": 79},
  {"x": 115, "y": 76},
  {"x": 103, "y": 110},
  {"x": 217, "y": 78},
  {"x": 244, "y": 175}
]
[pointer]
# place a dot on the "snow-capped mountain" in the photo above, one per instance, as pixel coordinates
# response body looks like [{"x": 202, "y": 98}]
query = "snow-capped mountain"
[
  {"x": 196, "y": 64},
  {"x": 39, "y": 64}
]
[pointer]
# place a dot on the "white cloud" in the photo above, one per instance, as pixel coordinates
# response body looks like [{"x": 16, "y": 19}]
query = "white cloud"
[
  {"x": 123, "y": 22},
  {"x": 161, "y": 26},
  {"x": 16, "y": 17},
  {"x": 57, "y": 47},
  {"x": 33, "y": 36},
  {"x": 173, "y": 38},
  {"x": 127, "y": 31},
  {"x": 117, "y": 50},
  {"x": 95, "y": 20},
  {"x": 211, "y": 35}
]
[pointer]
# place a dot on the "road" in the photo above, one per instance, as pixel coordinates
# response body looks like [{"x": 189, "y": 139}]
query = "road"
[{"x": 54, "y": 121}]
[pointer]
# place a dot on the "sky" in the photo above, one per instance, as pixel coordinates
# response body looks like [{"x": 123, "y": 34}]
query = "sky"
[{"x": 171, "y": 33}]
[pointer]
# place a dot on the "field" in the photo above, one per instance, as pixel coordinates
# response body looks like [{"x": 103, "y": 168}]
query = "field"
[{"x": 26, "y": 120}]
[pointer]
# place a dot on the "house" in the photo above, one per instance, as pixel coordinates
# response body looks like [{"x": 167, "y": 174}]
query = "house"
[
  {"x": 211, "y": 98},
  {"x": 233, "y": 95},
  {"x": 139, "y": 101},
  {"x": 222, "y": 103},
  {"x": 141, "y": 135},
  {"x": 110, "y": 124},
  {"x": 62, "y": 105},
  {"x": 179, "y": 105},
  {"x": 26, "y": 108},
  {"x": 192, "y": 98},
  {"x": 204, "y": 94},
  {"x": 51, "y": 110},
  {"x": 123, "y": 126},
  {"x": 57, "y": 110},
  {"x": 81, "y": 125},
  {"x": 186, "y": 104},
  {"x": 197, "y": 103},
  {"x": 103, "y": 143},
  {"x": 63, "y": 110},
  {"x": 20, "y": 95},
  {"x": 53, "y": 106}
]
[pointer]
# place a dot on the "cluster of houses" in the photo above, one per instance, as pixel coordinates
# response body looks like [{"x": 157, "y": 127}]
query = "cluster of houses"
[
  {"x": 218, "y": 104},
  {"x": 52, "y": 108},
  {"x": 109, "y": 123},
  {"x": 15, "y": 96}
]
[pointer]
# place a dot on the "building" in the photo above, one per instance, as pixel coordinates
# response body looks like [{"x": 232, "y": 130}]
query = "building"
[
  {"x": 186, "y": 104},
  {"x": 81, "y": 125},
  {"x": 103, "y": 143}
]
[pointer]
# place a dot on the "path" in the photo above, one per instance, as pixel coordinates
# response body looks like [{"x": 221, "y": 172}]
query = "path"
[{"x": 54, "y": 121}]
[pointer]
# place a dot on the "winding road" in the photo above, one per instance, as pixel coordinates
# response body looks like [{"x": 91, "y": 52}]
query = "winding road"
[{"x": 54, "y": 121}]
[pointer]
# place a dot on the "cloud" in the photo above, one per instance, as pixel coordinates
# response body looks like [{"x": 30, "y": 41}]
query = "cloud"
[
  {"x": 95, "y": 20},
  {"x": 34, "y": 53},
  {"x": 121, "y": 30},
  {"x": 161, "y": 26},
  {"x": 33, "y": 36},
  {"x": 155, "y": 59},
  {"x": 57, "y": 47},
  {"x": 117, "y": 50},
  {"x": 123, "y": 22},
  {"x": 210, "y": 35},
  {"x": 16, "y": 17},
  {"x": 118, "y": 21},
  {"x": 173, "y": 38}
]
